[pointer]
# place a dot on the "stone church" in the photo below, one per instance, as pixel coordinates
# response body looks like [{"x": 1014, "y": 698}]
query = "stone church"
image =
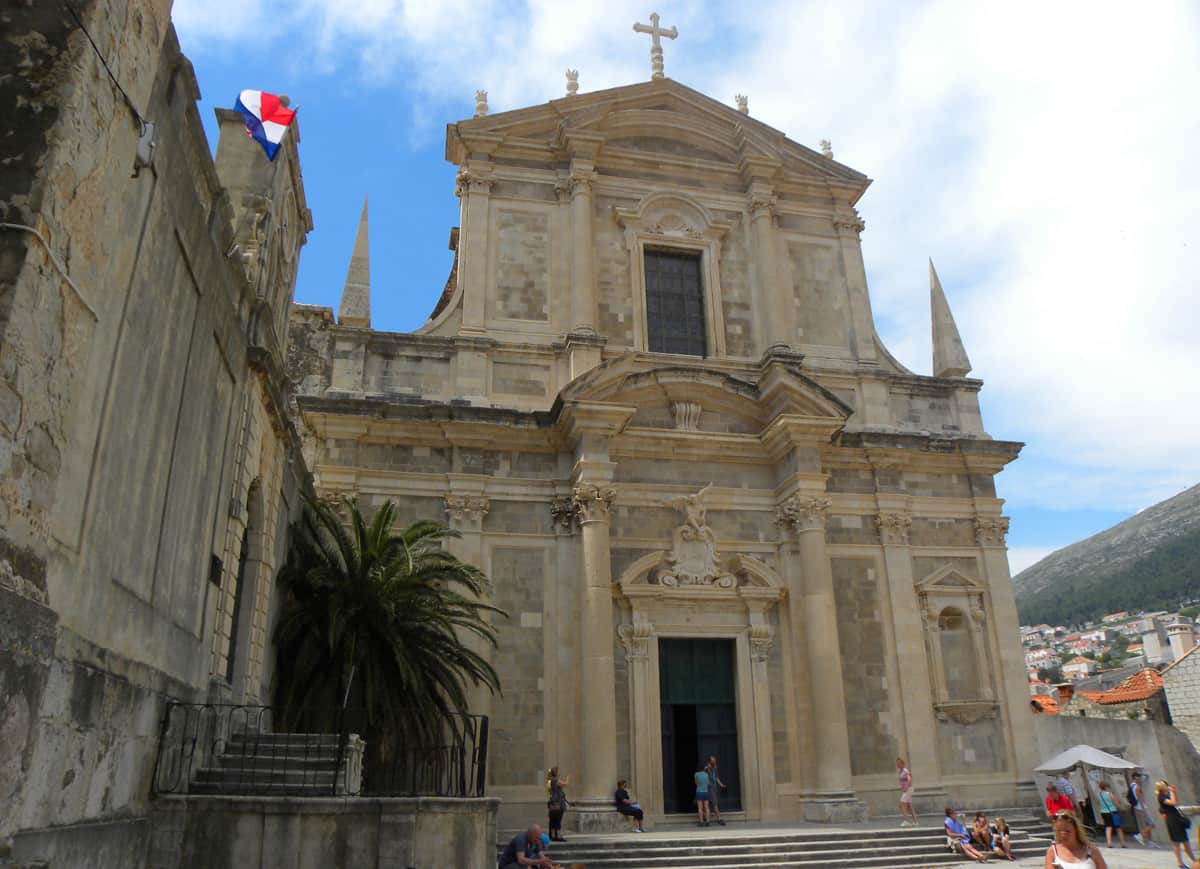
[{"x": 721, "y": 516}]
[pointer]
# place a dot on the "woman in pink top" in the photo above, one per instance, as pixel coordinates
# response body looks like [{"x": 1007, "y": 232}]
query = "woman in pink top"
[{"x": 906, "y": 797}]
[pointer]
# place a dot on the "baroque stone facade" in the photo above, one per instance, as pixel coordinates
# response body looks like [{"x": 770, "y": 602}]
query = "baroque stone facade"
[
  {"x": 148, "y": 462},
  {"x": 794, "y": 491}
]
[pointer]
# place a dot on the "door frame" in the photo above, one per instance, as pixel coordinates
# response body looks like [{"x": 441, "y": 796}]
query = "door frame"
[{"x": 702, "y": 612}]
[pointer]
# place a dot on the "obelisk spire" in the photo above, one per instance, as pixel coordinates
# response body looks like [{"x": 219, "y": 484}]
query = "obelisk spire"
[
  {"x": 949, "y": 355},
  {"x": 355, "y": 308}
]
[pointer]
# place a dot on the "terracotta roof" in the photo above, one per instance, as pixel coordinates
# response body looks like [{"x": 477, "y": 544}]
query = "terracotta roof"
[
  {"x": 1043, "y": 704},
  {"x": 1079, "y": 660},
  {"x": 1142, "y": 685}
]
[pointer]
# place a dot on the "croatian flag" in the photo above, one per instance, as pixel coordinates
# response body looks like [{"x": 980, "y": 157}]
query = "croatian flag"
[{"x": 266, "y": 119}]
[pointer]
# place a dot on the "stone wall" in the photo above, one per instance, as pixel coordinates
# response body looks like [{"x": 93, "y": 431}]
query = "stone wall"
[
  {"x": 132, "y": 350},
  {"x": 290, "y": 833},
  {"x": 1181, "y": 685},
  {"x": 863, "y": 646}
]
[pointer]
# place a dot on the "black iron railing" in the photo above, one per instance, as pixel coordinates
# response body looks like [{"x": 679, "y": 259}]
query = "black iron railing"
[{"x": 226, "y": 749}]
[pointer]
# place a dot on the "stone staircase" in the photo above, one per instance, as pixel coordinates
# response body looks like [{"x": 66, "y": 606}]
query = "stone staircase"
[
  {"x": 276, "y": 764},
  {"x": 809, "y": 845}
]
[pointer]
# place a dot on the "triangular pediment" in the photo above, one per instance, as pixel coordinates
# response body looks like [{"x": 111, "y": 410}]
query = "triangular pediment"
[
  {"x": 663, "y": 119},
  {"x": 948, "y": 579}
]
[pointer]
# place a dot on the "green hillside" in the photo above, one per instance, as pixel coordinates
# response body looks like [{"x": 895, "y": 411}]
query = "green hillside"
[{"x": 1150, "y": 561}]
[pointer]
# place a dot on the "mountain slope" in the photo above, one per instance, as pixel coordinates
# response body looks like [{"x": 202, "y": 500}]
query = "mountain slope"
[{"x": 1149, "y": 561}]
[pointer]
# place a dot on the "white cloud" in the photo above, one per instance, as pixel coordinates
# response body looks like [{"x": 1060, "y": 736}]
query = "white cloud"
[
  {"x": 1044, "y": 155},
  {"x": 1021, "y": 557}
]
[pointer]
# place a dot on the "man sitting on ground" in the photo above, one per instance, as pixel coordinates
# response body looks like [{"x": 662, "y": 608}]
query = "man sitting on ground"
[{"x": 525, "y": 849}]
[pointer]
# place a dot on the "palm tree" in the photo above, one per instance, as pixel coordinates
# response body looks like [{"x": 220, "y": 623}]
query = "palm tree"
[{"x": 378, "y": 617}]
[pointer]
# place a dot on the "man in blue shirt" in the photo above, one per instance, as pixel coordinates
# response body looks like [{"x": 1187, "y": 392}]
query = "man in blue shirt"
[{"x": 525, "y": 849}]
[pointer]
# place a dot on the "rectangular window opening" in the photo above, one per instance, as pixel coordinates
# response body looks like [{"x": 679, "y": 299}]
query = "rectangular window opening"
[{"x": 675, "y": 303}]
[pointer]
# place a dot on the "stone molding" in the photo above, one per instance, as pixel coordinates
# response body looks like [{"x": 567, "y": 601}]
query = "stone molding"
[
  {"x": 991, "y": 531},
  {"x": 636, "y": 638},
  {"x": 848, "y": 222},
  {"x": 464, "y": 507},
  {"x": 894, "y": 528},
  {"x": 761, "y": 639},
  {"x": 581, "y": 181},
  {"x": 472, "y": 181},
  {"x": 564, "y": 512},
  {"x": 803, "y": 512},
  {"x": 966, "y": 711}
]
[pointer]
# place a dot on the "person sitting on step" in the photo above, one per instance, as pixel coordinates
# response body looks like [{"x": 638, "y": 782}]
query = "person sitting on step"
[
  {"x": 627, "y": 806},
  {"x": 958, "y": 837},
  {"x": 1001, "y": 838}
]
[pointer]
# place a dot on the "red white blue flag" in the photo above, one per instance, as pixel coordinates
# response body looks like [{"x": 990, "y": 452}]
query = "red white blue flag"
[{"x": 266, "y": 119}]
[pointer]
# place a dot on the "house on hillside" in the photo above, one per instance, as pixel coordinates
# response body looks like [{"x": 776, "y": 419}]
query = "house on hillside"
[{"x": 1078, "y": 668}]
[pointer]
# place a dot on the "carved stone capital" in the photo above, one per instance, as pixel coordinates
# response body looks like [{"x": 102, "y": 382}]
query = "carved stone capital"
[
  {"x": 761, "y": 203},
  {"x": 581, "y": 182},
  {"x": 466, "y": 508},
  {"x": 565, "y": 512},
  {"x": 471, "y": 181},
  {"x": 803, "y": 512},
  {"x": 848, "y": 222},
  {"x": 991, "y": 531},
  {"x": 593, "y": 502},
  {"x": 761, "y": 638},
  {"x": 894, "y": 528},
  {"x": 635, "y": 638}
]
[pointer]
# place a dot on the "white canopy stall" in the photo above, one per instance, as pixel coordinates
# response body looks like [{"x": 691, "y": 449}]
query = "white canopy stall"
[{"x": 1092, "y": 763}]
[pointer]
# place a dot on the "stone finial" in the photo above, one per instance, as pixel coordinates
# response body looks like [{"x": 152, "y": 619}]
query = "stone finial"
[
  {"x": 743, "y": 103},
  {"x": 481, "y": 106},
  {"x": 827, "y": 149},
  {"x": 572, "y": 82},
  {"x": 949, "y": 355},
  {"x": 656, "y": 52},
  {"x": 355, "y": 306}
]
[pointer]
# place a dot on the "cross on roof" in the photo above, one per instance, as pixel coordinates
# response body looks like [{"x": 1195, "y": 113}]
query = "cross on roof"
[{"x": 656, "y": 52}]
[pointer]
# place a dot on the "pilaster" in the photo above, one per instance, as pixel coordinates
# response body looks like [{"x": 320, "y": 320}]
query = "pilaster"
[
  {"x": 849, "y": 225},
  {"x": 829, "y": 793},
  {"x": 991, "y": 532},
  {"x": 465, "y": 508},
  {"x": 912, "y": 662},
  {"x": 474, "y": 186}
]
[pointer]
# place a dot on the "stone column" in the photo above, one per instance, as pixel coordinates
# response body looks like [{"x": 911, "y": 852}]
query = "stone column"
[
  {"x": 583, "y": 266},
  {"x": 598, "y": 710},
  {"x": 464, "y": 513},
  {"x": 1012, "y": 688},
  {"x": 474, "y": 185},
  {"x": 774, "y": 302},
  {"x": 829, "y": 797},
  {"x": 848, "y": 225},
  {"x": 908, "y": 625}
]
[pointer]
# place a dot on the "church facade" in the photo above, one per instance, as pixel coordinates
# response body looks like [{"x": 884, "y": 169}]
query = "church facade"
[{"x": 721, "y": 517}]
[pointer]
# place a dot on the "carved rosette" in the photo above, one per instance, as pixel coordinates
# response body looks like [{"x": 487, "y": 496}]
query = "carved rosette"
[
  {"x": 894, "y": 528},
  {"x": 593, "y": 502},
  {"x": 803, "y": 512},
  {"x": 991, "y": 531},
  {"x": 462, "y": 508}
]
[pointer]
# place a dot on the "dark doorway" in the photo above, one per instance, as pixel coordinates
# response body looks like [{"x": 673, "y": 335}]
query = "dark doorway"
[{"x": 699, "y": 718}]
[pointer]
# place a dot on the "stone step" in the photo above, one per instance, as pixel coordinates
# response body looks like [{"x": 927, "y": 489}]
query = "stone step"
[
  {"x": 267, "y": 762},
  {"x": 716, "y": 848}
]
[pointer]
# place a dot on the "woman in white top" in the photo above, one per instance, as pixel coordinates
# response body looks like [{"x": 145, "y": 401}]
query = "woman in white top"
[{"x": 1071, "y": 848}]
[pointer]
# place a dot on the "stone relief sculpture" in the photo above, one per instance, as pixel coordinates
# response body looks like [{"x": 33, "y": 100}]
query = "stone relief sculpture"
[{"x": 693, "y": 557}]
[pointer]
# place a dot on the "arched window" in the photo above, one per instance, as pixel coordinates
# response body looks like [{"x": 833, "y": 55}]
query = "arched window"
[{"x": 960, "y": 669}]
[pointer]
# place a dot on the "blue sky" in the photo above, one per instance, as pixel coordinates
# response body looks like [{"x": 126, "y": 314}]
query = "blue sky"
[{"x": 1042, "y": 154}]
